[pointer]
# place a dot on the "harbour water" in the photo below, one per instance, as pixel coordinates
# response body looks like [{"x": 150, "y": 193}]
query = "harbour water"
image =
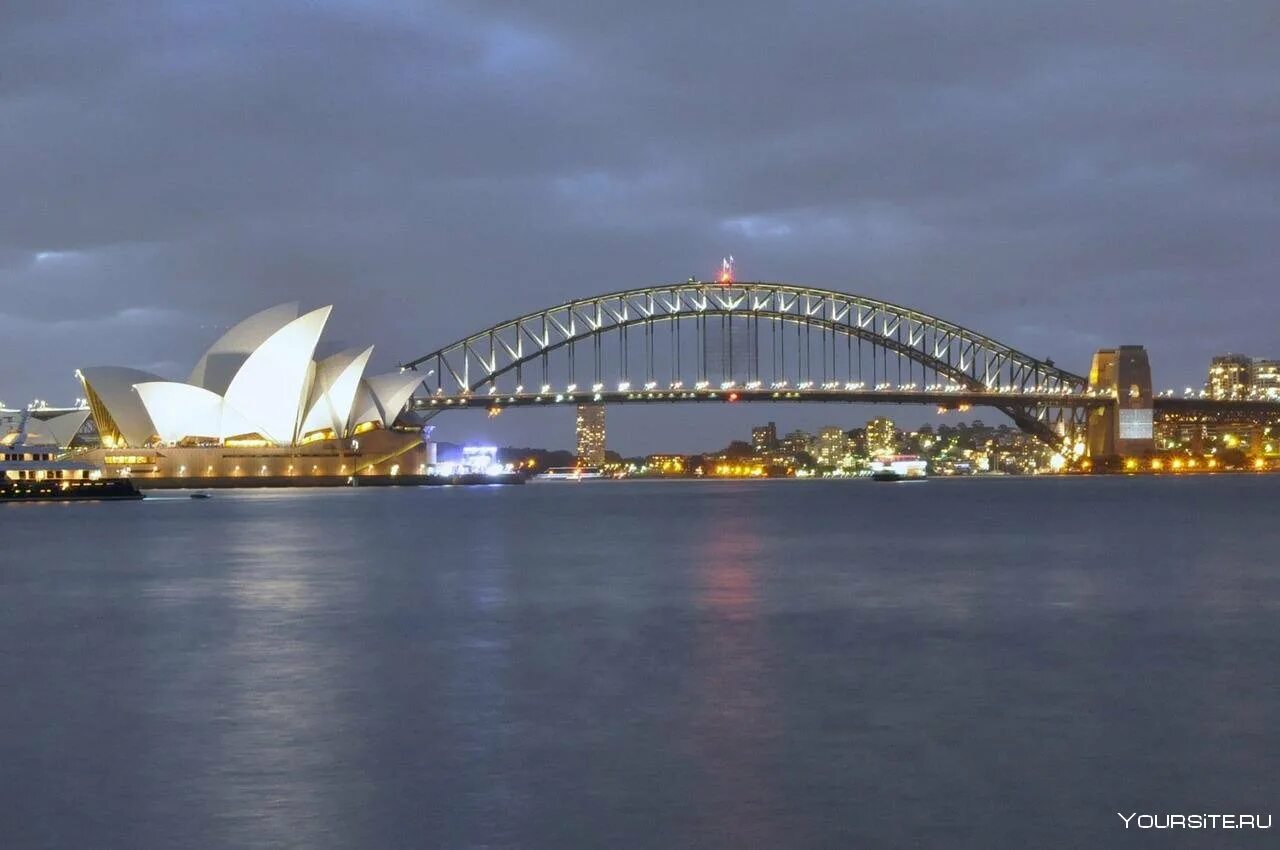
[{"x": 955, "y": 663}]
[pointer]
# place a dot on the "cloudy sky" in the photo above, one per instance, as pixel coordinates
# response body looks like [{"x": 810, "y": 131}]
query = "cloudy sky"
[{"x": 1061, "y": 176}]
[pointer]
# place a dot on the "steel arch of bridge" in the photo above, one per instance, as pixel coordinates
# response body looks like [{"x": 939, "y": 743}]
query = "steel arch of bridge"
[{"x": 520, "y": 350}]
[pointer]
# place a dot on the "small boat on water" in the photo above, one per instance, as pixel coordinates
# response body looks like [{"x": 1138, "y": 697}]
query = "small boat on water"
[
  {"x": 570, "y": 473},
  {"x": 199, "y": 495},
  {"x": 899, "y": 468},
  {"x": 34, "y": 471}
]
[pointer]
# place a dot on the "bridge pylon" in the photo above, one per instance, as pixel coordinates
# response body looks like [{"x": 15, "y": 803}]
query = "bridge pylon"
[{"x": 1124, "y": 426}]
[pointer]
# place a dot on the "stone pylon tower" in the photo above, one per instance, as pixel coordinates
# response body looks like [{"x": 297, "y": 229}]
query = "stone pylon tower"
[{"x": 1125, "y": 428}]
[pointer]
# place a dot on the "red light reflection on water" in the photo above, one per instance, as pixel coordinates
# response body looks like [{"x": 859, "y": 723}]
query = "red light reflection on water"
[
  {"x": 728, "y": 580},
  {"x": 733, "y": 727}
]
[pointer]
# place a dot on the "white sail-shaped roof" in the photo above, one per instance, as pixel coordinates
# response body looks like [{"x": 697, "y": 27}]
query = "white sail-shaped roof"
[
  {"x": 333, "y": 391},
  {"x": 392, "y": 391},
  {"x": 365, "y": 408},
  {"x": 382, "y": 397},
  {"x": 223, "y": 360},
  {"x": 181, "y": 410},
  {"x": 272, "y": 386},
  {"x": 110, "y": 391},
  {"x": 61, "y": 428}
]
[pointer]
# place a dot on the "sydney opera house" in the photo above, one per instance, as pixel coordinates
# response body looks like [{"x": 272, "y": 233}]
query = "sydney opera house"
[{"x": 257, "y": 405}]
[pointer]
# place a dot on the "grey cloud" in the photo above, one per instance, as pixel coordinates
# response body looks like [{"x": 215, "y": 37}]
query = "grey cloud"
[{"x": 1060, "y": 176}]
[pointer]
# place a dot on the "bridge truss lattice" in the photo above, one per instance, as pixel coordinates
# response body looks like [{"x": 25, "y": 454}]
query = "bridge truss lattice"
[{"x": 700, "y": 335}]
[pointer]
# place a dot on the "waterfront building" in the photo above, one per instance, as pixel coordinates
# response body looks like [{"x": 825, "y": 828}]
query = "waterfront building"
[
  {"x": 882, "y": 437},
  {"x": 833, "y": 447},
  {"x": 1230, "y": 376},
  {"x": 1197, "y": 434},
  {"x": 257, "y": 386},
  {"x": 591, "y": 435},
  {"x": 795, "y": 444},
  {"x": 1264, "y": 377},
  {"x": 1012, "y": 451},
  {"x": 257, "y": 405},
  {"x": 664, "y": 464},
  {"x": 1236, "y": 376},
  {"x": 764, "y": 438},
  {"x": 723, "y": 465}
]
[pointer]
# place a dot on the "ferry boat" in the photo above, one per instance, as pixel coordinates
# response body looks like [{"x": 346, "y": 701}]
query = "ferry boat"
[
  {"x": 479, "y": 465},
  {"x": 570, "y": 473},
  {"x": 899, "y": 468},
  {"x": 31, "y": 471}
]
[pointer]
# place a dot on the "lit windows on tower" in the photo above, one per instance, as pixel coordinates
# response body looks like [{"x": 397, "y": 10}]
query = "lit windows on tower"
[
  {"x": 882, "y": 437},
  {"x": 832, "y": 446},
  {"x": 1229, "y": 376},
  {"x": 590, "y": 434},
  {"x": 1265, "y": 379},
  {"x": 764, "y": 438}
]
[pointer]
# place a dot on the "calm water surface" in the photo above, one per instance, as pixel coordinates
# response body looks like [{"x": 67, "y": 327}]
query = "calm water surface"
[{"x": 982, "y": 663}]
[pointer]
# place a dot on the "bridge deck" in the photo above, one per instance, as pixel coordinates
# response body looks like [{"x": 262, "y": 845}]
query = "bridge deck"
[
  {"x": 735, "y": 394},
  {"x": 940, "y": 398}
]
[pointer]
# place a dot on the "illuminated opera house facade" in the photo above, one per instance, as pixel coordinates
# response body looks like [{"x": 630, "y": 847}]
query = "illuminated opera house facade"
[{"x": 257, "y": 405}]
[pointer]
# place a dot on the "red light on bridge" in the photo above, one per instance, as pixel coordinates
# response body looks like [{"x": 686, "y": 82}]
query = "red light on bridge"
[
  {"x": 733, "y": 396},
  {"x": 726, "y": 271}
]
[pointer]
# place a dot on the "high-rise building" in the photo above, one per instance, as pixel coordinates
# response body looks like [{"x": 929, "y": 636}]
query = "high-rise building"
[
  {"x": 1265, "y": 378},
  {"x": 882, "y": 437},
  {"x": 832, "y": 447},
  {"x": 1230, "y": 376},
  {"x": 796, "y": 443},
  {"x": 590, "y": 432},
  {"x": 764, "y": 438}
]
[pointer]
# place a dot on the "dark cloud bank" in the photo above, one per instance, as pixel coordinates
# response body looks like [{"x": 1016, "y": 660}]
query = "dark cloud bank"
[{"x": 1061, "y": 176}]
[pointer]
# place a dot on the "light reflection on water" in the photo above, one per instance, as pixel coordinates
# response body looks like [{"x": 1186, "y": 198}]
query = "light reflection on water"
[
  {"x": 733, "y": 733},
  {"x": 714, "y": 665}
]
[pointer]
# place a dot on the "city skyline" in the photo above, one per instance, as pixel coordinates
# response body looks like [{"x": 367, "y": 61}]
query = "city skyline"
[{"x": 1228, "y": 376}]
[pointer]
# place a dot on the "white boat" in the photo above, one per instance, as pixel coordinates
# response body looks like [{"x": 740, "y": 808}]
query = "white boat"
[
  {"x": 570, "y": 473},
  {"x": 899, "y": 468},
  {"x": 36, "y": 471}
]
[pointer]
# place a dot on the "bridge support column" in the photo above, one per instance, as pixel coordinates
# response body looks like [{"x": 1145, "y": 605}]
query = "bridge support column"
[{"x": 1124, "y": 427}]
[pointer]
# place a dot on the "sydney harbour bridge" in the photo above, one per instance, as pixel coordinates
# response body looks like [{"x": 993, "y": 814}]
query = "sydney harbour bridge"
[{"x": 728, "y": 342}]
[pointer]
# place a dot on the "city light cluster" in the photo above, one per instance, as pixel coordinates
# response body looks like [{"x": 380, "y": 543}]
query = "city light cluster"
[{"x": 837, "y": 452}]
